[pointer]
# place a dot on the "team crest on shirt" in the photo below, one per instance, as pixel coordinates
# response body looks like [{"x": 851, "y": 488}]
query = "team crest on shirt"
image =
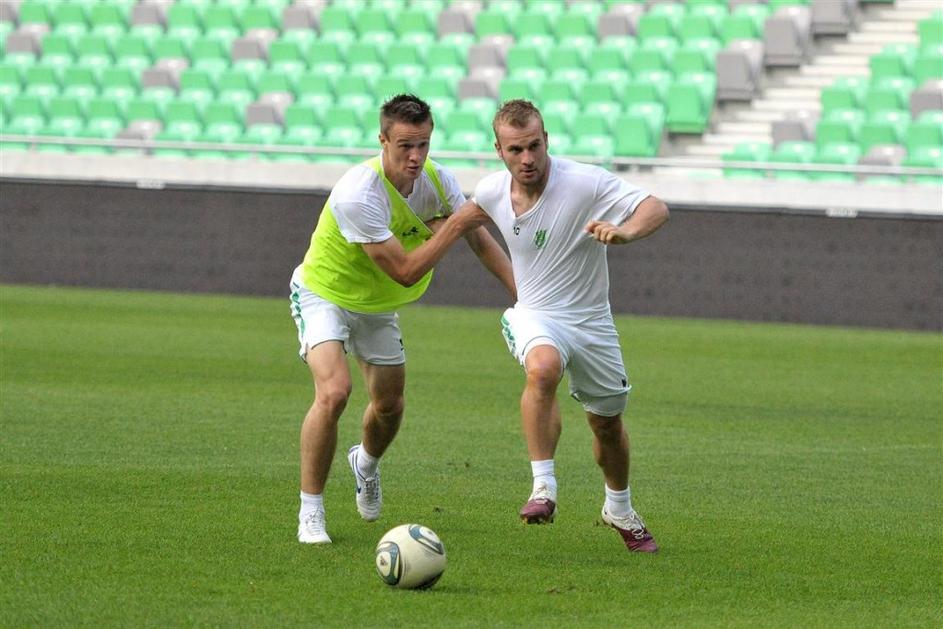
[{"x": 540, "y": 238}]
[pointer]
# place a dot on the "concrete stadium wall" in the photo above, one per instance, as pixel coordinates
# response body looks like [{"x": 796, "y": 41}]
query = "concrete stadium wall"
[{"x": 758, "y": 265}]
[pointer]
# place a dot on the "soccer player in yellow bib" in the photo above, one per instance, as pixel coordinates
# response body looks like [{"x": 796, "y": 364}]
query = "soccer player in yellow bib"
[
  {"x": 558, "y": 218},
  {"x": 385, "y": 224}
]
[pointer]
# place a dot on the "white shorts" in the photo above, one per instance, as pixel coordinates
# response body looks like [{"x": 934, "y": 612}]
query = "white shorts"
[
  {"x": 374, "y": 338},
  {"x": 589, "y": 350}
]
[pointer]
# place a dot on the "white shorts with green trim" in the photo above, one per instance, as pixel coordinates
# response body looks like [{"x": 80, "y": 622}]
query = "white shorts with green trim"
[
  {"x": 374, "y": 338},
  {"x": 589, "y": 351}
]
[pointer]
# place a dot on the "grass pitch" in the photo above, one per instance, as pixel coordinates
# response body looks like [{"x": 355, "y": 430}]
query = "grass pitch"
[{"x": 148, "y": 477}]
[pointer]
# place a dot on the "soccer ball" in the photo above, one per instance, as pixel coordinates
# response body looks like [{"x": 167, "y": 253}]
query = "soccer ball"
[{"x": 410, "y": 556}]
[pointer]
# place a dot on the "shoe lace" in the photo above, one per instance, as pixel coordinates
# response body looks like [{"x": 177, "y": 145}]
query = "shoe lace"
[
  {"x": 371, "y": 488},
  {"x": 314, "y": 521},
  {"x": 541, "y": 493}
]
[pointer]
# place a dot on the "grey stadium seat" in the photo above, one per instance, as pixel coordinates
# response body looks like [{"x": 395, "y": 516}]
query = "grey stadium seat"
[
  {"x": 796, "y": 125},
  {"x": 927, "y": 97},
  {"x": 740, "y": 70},
  {"x": 834, "y": 17},
  {"x": 621, "y": 19},
  {"x": 787, "y": 36}
]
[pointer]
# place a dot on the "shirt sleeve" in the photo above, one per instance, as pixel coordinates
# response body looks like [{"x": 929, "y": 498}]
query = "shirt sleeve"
[
  {"x": 453, "y": 191},
  {"x": 363, "y": 217},
  {"x": 486, "y": 194},
  {"x": 616, "y": 198}
]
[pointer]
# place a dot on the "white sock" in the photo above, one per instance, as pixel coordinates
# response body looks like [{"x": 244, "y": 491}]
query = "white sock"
[
  {"x": 544, "y": 476},
  {"x": 309, "y": 503},
  {"x": 366, "y": 464},
  {"x": 619, "y": 503}
]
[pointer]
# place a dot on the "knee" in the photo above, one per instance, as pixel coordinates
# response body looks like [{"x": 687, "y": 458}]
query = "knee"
[
  {"x": 389, "y": 408},
  {"x": 332, "y": 396},
  {"x": 607, "y": 429},
  {"x": 544, "y": 375}
]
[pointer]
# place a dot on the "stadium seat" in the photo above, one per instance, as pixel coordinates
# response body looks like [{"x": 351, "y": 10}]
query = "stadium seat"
[
  {"x": 925, "y": 131},
  {"x": 695, "y": 55},
  {"x": 109, "y": 19},
  {"x": 744, "y": 22},
  {"x": 747, "y": 152},
  {"x": 892, "y": 92},
  {"x": 884, "y": 127},
  {"x": 65, "y": 117},
  {"x": 69, "y": 18},
  {"x": 655, "y": 53},
  {"x": 103, "y": 116},
  {"x": 184, "y": 21},
  {"x": 650, "y": 86},
  {"x": 57, "y": 50},
  {"x": 133, "y": 51},
  {"x": 27, "y": 115},
  {"x": 702, "y": 21},
  {"x": 839, "y": 125},
  {"x": 222, "y": 122},
  {"x": 926, "y": 157},
  {"x": 893, "y": 60},
  {"x": 119, "y": 83},
  {"x": 837, "y": 153},
  {"x": 661, "y": 20},
  {"x": 793, "y": 152},
  {"x": 79, "y": 82},
  {"x": 41, "y": 80},
  {"x": 690, "y": 102},
  {"x": 638, "y": 131},
  {"x": 844, "y": 93},
  {"x": 235, "y": 87},
  {"x": 928, "y": 64},
  {"x": 930, "y": 29},
  {"x": 10, "y": 83},
  {"x": 197, "y": 87}
]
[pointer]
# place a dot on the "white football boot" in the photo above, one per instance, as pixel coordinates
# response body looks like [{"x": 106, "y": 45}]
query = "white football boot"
[
  {"x": 369, "y": 494},
  {"x": 312, "y": 529}
]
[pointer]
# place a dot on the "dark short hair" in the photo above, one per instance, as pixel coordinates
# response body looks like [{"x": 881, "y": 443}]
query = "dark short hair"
[
  {"x": 517, "y": 113},
  {"x": 407, "y": 108}
]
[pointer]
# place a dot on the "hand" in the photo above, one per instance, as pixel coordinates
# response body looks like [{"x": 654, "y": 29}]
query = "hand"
[
  {"x": 469, "y": 216},
  {"x": 606, "y": 233}
]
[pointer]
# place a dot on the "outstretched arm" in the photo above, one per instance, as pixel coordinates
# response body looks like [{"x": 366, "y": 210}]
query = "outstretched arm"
[
  {"x": 650, "y": 214},
  {"x": 408, "y": 268},
  {"x": 490, "y": 253}
]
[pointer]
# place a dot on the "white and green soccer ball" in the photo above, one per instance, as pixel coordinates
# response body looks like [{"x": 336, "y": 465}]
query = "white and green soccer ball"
[{"x": 410, "y": 556}]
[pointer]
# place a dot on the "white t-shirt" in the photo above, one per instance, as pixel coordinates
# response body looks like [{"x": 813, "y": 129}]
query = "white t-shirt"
[
  {"x": 361, "y": 204},
  {"x": 559, "y": 267}
]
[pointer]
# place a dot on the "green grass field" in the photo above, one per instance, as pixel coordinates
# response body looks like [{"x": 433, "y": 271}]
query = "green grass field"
[{"x": 792, "y": 475}]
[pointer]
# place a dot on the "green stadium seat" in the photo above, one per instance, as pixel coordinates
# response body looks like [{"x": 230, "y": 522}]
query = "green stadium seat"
[
  {"x": 184, "y": 21},
  {"x": 119, "y": 83},
  {"x": 327, "y": 58},
  {"x": 236, "y": 87},
  {"x": 491, "y": 21},
  {"x": 695, "y": 55},
  {"x": 638, "y": 131},
  {"x": 839, "y": 125},
  {"x": 103, "y": 117},
  {"x": 355, "y": 91},
  {"x": 601, "y": 147},
  {"x": 532, "y": 25},
  {"x": 745, "y": 22},
  {"x": 221, "y": 23},
  {"x": 69, "y": 18},
  {"x": 93, "y": 50},
  {"x": 34, "y": 12},
  {"x": 170, "y": 47},
  {"x": 661, "y": 20},
  {"x": 256, "y": 16},
  {"x": 79, "y": 82},
  {"x": 109, "y": 19},
  {"x": 520, "y": 56},
  {"x": 747, "y": 152},
  {"x": 133, "y": 51},
  {"x": 428, "y": 87},
  {"x": 364, "y": 59},
  {"x": 650, "y": 86},
  {"x": 926, "y": 130},
  {"x": 388, "y": 86},
  {"x": 576, "y": 27},
  {"x": 930, "y": 29},
  {"x": 690, "y": 102},
  {"x": 140, "y": 108},
  {"x": 274, "y": 81},
  {"x": 600, "y": 91},
  {"x": 884, "y": 127},
  {"x": 702, "y": 21},
  {"x": 57, "y": 50},
  {"x": 373, "y": 20},
  {"x": 415, "y": 19},
  {"x": 554, "y": 90},
  {"x": 837, "y": 153},
  {"x": 370, "y": 123},
  {"x": 10, "y": 83},
  {"x": 337, "y": 18},
  {"x": 405, "y": 60},
  {"x": 893, "y": 60},
  {"x": 27, "y": 115},
  {"x": 316, "y": 91},
  {"x": 892, "y": 92},
  {"x": 482, "y": 107},
  {"x": 41, "y": 80},
  {"x": 222, "y": 122},
  {"x": 844, "y": 93},
  {"x": 183, "y": 119},
  {"x": 926, "y": 157},
  {"x": 793, "y": 152},
  {"x": 512, "y": 88},
  {"x": 928, "y": 64},
  {"x": 655, "y": 53},
  {"x": 209, "y": 55},
  {"x": 197, "y": 87},
  {"x": 65, "y": 116},
  {"x": 605, "y": 60},
  {"x": 568, "y": 61},
  {"x": 566, "y": 109}
]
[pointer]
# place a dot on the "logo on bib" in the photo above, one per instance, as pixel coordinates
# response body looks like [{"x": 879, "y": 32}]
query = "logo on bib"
[{"x": 540, "y": 239}]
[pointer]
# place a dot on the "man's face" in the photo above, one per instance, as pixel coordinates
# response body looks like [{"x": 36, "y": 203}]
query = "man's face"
[
  {"x": 405, "y": 147},
  {"x": 524, "y": 151}
]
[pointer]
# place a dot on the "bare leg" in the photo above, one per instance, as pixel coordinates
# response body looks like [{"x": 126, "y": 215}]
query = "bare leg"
[
  {"x": 328, "y": 365},
  {"x": 384, "y": 413},
  {"x": 540, "y": 413},
  {"x": 611, "y": 449}
]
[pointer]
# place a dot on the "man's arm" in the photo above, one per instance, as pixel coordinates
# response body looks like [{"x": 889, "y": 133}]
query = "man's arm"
[
  {"x": 408, "y": 268},
  {"x": 492, "y": 256},
  {"x": 650, "y": 214}
]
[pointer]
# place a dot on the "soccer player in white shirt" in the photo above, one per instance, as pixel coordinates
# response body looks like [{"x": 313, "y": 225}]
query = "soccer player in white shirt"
[{"x": 557, "y": 217}]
